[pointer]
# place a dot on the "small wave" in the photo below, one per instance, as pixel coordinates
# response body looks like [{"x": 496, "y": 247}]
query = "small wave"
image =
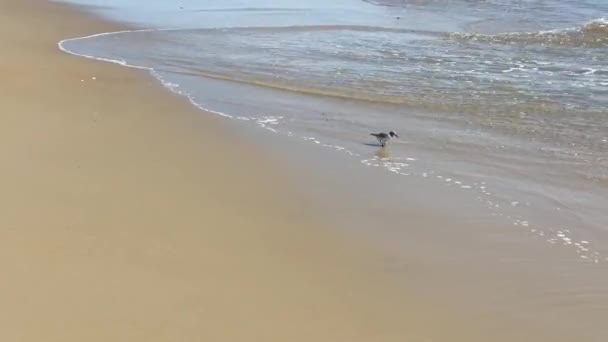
[
  {"x": 591, "y": 34},
  {"x": 404, "y": 3},
  {"x": 320, "y": 28},
  {"x": 357, "y": 76},
  {"x": 429, "y": 101},
  {"x": 252, "y": 9},
  {"x": 599, "y": 25},
  {"x": 382, "y": 3}
]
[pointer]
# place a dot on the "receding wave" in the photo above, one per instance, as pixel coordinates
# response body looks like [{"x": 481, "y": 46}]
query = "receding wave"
[
  {"x": 396, "y": 66},
  {"x": 328, "y": 28},
  {"x": 384, "y": 3},
  {"x": 251, "y": 9},
  {"x": 403, "y": 3},
  {"x": 591, "y": 34},
  {"x": 423, "y": 98}
]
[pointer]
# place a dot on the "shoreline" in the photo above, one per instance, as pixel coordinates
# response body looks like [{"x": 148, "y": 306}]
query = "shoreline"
[
  {"x": 129, "y": 220},
  {"x": 123, "y": 220},
  {"x": 559, "y": 206}
]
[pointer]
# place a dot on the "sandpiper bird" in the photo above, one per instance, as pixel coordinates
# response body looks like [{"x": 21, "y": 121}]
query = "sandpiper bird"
[{"x": 383, "y": 138}]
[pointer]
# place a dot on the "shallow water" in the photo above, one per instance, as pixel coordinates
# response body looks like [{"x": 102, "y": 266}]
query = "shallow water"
[{"x": 505, "y": 101}]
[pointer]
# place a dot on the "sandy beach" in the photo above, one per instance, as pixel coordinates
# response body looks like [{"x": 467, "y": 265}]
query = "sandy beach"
[
  {"x": 123, "y": 216},
  {"x": 126, "y": 215}
]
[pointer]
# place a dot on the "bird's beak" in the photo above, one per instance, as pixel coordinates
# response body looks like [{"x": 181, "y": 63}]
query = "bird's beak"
[{"x": 396, "y": 135}]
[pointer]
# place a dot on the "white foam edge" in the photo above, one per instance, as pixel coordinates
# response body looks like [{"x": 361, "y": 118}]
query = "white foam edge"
[{"x": 154, "y": 73}]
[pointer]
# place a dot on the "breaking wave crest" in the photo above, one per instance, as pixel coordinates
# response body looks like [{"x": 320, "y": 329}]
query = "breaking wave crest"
[{"x": 593, "y": 34}]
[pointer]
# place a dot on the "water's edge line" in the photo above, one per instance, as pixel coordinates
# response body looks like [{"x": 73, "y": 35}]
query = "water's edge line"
[
  {"x": 171, "y": 87},
  {"x": 61, "y": 47}
]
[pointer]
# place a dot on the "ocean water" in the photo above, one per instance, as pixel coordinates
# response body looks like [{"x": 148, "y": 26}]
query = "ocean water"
[{"x": 504, "y": 100}]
